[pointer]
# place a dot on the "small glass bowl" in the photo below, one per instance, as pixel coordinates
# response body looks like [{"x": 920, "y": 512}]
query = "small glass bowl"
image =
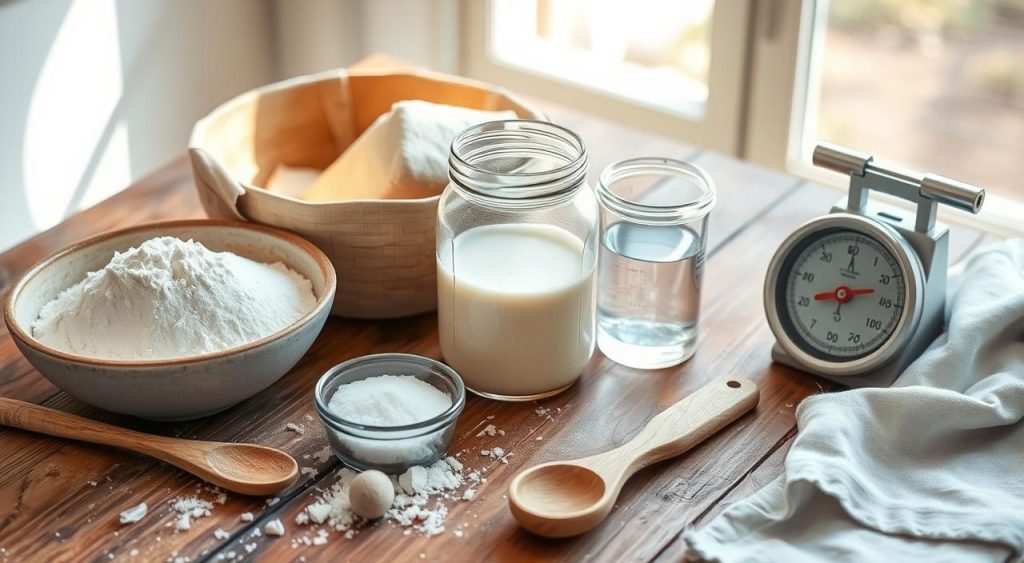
[{"x": 391, "y": 449}]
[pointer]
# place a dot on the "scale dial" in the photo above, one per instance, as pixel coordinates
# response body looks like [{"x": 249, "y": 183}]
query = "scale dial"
[{"x": 842, "y": 294}]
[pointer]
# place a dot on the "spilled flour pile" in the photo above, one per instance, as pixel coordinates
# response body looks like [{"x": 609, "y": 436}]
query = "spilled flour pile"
[
  {"x": 188, "y": 509},
  {"x": 417, "y": 505},
  {"x": 424, "y": 497}
]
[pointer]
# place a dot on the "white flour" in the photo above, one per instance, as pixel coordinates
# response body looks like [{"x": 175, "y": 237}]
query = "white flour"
[
  {"x": 189, "y": 508},
  {"x": 411, "y": 507},
  {"x": 134, "y": 514},
  {"x": 169, "y": 298}
]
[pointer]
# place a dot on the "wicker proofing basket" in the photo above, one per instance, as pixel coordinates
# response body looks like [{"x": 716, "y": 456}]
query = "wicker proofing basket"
[{"x": 382, "y": 250}]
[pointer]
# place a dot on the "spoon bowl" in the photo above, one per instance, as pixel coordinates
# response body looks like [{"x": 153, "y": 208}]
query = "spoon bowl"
[
  {"x": 566, "y": 498},
  {"x": 559, "y": 499},
  {"x": 251, "y": 469}
]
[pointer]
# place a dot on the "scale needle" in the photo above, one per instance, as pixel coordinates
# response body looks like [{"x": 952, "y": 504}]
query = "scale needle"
[{"x": 841, "y": 294}]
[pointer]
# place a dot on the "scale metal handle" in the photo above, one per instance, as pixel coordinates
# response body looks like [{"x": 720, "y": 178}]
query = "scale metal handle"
[{"x": 925, "y": 190}]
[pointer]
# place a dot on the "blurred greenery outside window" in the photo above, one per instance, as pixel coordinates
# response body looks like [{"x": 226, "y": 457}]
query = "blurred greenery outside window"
[{"x": 934, "y": 85}]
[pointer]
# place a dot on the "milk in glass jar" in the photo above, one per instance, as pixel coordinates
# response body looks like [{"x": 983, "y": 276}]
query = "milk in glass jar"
[{"x": 517, "y": 247}]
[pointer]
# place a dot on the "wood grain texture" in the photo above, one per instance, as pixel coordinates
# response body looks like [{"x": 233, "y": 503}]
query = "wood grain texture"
[
  {"x": 87, "y": 513},
  {"x": 59, "y": 500},
  {"x": 248, "y": 469},
  {"x": 560, "y": 499},
  {"x": 608, "y": 406}
]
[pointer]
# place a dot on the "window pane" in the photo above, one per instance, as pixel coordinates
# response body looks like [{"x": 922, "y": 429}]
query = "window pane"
[
  {"x": 654, "y": 52},
  {"x": 937, "y": 85}
]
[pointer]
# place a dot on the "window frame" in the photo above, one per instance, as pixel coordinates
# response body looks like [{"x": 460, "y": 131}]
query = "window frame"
[
  {"x": 763, "y": 65},
  {"x": 784, "y": 71},
  {"x": 721, "y": 127}
]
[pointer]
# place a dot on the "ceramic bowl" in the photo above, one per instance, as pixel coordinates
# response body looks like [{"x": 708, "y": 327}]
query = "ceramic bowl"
[{"x": 179, "y": 388}]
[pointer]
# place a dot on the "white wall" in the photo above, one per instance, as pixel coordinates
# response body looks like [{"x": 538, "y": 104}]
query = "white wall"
[
  {"x": 315, "y": 35},
  {"x": 95, "y": 93}
]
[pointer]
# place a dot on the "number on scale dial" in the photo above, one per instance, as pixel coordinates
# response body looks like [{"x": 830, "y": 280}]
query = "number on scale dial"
[{"x": 844, "y": 296}]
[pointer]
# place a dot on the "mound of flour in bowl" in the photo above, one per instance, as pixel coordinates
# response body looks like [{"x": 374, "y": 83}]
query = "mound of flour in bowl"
[{"x": 170, "y": 298}]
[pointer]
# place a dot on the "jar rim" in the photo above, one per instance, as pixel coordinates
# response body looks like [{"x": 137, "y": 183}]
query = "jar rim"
[
  {"x": 696, "y": 208},
  {"x": 527, "y": 136}
]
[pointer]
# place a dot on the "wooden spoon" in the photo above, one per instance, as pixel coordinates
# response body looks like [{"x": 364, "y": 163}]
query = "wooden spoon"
[
  {"x": 242, "y": 468},
  {"x": 566, "y": 498}
]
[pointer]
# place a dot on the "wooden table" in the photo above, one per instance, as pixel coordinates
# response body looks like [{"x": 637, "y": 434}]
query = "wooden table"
[{"x": 60, "y": 500}]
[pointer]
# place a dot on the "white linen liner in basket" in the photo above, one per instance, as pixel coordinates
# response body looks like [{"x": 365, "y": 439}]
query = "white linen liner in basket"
[{"x": 382, "y": 250}]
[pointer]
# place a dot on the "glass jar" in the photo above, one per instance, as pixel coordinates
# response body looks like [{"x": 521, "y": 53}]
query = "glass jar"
[{"x": 517, "y": 247}]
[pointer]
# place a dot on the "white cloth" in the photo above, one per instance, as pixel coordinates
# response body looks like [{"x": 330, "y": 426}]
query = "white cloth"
[{"x": 930, "y": 469}]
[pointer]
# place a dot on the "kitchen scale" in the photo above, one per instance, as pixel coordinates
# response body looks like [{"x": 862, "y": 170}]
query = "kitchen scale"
[{"x": 856, "y": 295}]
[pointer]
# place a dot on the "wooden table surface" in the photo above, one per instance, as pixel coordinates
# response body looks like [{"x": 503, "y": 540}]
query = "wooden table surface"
[{"x": 60, "y": 500}]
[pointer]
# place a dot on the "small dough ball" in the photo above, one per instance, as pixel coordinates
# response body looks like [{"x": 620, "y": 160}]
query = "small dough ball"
[{"x": 370, "y": 494}]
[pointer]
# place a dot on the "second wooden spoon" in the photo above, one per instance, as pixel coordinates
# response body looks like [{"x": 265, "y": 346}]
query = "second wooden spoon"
[
  {"x": 565, "y": 498},
  {"x": 242, "y": 468}
]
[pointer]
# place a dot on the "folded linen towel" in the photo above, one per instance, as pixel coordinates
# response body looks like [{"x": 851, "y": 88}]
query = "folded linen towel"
[{"x": 931, "y": 468}]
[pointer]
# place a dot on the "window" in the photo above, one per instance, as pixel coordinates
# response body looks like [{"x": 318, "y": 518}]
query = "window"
[
  {"x": 937, "y": 85},
  {"x": 668, "y": 66},
  {"x": 934, "y": 85},
  {"x": 648, "y": 51}
]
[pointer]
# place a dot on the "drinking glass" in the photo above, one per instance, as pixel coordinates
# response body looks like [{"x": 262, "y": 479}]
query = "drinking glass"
[{"x": 654, "y": 218}]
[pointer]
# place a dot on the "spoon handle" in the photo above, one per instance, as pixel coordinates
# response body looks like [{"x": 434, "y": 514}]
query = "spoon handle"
[
  {"x": 34, "y": 418},
  {"x": 686, "y": 423}
]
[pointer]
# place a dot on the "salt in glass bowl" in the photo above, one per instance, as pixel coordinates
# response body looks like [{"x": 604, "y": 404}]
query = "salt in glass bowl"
[{"x": 391, "y": 449}]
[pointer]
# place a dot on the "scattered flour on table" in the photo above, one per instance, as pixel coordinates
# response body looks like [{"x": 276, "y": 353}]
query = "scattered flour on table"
[
  {"x": 547, "y": 412},
  {"x": 490, "y": 430},
  {"x": 418, "y": 505},
  {"x": 169, "y": 298},
  {"x": 188, "y": 509},
  {"x": 134, "y": 514},
  {"x": 496, "y": 453},
  {"x": 274, "y": 528},
  {"x": 322, "y": 455}
]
